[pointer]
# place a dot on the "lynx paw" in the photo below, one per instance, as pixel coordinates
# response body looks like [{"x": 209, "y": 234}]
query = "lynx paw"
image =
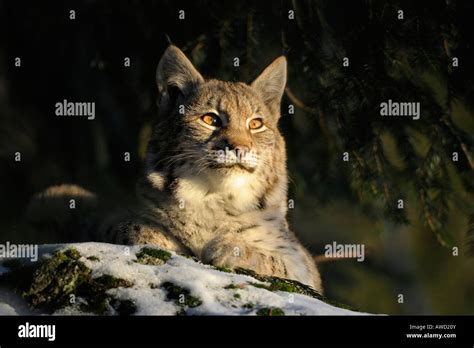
[{"x": 226, "y": 252}]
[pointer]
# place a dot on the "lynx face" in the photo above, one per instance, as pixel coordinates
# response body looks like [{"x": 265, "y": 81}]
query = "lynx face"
[
  {"x": 222, "y": 128},
  {"x": 228, "y": 127}
]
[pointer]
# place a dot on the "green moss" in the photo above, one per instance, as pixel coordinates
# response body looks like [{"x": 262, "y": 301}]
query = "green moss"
[
  {"x": 261, "y": 286},
  {"x": 280, "y": 284},
  {"x": 248, "y": 305},
  {"x": 97, "y": 304},
  {"x": 151, "y": 256},
  {"x": 233, "y": 287},
  {"x": 93, "y": 258},
  {"x": 56, "y": 278},
  {"x": 50, "y": 283},
  {"x": 98, "y": 301},
  {"x": 270, "y": 311},
  {"x": 180, "y": 296},
  {"x": 276, "y": 284},
  {"x": 108, "y": 282},
  {"x": 288, "y": 285},
  {"x": 230, "y": 286},
  {"x": 223, "y": 269}
]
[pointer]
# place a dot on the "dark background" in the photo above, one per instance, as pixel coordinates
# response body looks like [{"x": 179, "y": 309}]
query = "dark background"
[{"x": 336, "y": 110}]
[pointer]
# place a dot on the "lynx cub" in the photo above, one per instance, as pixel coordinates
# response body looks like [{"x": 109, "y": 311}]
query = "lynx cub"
[{"x": 216, "y": 183}]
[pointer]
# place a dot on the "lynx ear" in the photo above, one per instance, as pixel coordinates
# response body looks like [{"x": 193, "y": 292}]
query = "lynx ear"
[
  {"x": 271, "y": 84},
  {"x": 175, "y": 71}
]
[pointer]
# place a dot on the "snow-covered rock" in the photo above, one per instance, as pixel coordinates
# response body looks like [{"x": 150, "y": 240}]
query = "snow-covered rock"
[{"x": 106, "y": 279}]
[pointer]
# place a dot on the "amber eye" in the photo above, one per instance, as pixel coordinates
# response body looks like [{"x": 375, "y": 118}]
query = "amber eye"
[
  {"x": 212, "y": 120},
  {"x": 255, "y": 123}
]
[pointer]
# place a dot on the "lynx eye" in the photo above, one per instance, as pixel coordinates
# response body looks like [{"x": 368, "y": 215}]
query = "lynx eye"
[
  {"x": 212, "y": 120},
  {"x": 256, "y": 124}
]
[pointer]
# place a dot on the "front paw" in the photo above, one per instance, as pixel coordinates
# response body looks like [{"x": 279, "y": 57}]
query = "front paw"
[
  {"x": 222, "y": 253},
  {"x": 232, "y": 252}
]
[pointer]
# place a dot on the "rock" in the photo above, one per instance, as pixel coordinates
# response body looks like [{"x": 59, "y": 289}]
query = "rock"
[{"x": 106, "y": 279}]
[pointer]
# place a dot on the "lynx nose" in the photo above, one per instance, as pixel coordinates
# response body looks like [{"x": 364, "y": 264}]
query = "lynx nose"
[
  {"x": 239, "y": 147},
  {"x": 240, "y": 150}
]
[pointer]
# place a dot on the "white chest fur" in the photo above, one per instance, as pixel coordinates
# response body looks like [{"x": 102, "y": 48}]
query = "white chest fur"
[{"x": 235, "y": 192}]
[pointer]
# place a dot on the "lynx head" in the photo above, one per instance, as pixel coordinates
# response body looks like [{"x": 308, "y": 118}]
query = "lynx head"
[{"x": 220, "y": 127}]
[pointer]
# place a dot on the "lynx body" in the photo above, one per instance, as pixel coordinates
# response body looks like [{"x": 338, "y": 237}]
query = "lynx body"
[{"x": 215, "y": 185}]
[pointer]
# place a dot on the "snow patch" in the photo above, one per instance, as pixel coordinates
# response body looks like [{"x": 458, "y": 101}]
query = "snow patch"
[{"x": 214, "y": 292}]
